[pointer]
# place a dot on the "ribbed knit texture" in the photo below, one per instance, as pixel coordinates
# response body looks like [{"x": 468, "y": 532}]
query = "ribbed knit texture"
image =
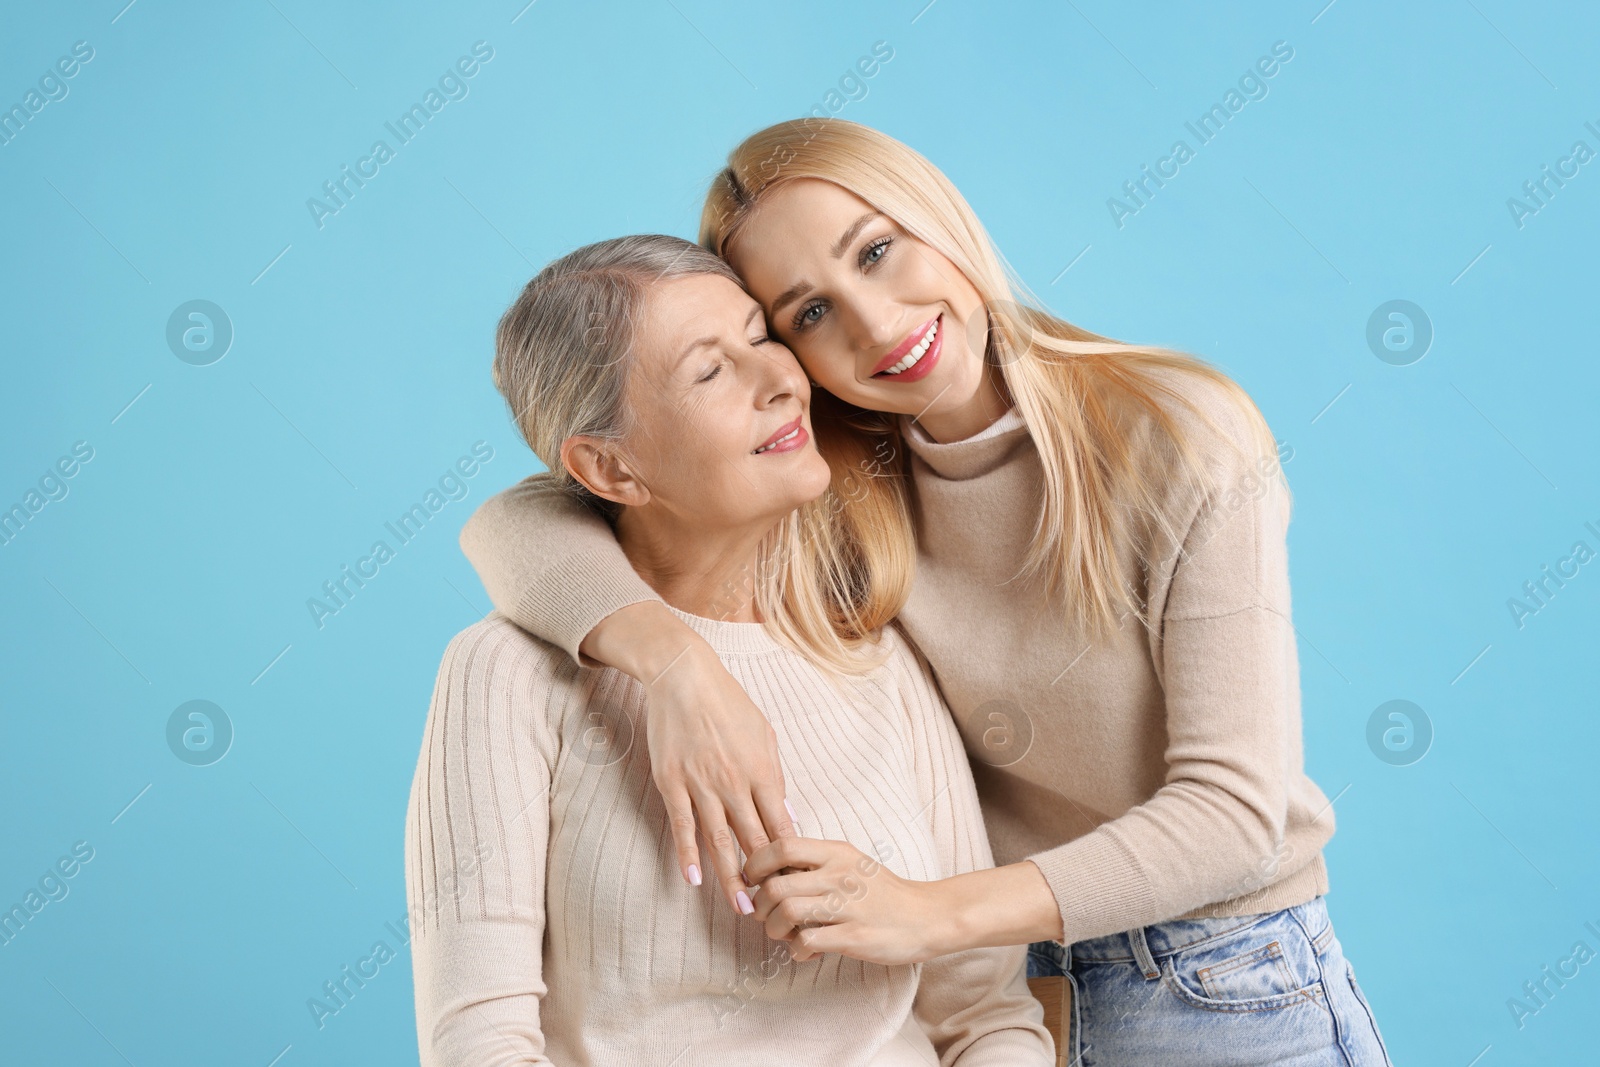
[
  {"x": 1154, "y": 774},
  {"x": 551, "y": 924}
]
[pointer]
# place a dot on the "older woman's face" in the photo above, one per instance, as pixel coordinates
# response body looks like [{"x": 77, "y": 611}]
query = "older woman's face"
[
  {"x": 877, "y": 317},
  {"x": 722, "y": 436}
]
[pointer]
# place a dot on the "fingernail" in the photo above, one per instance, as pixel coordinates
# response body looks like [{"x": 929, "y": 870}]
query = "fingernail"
[
  {"x": 745, "y": 907},
  {"x": 694, "y": 874},
  {"x": 793, "y": 818}
]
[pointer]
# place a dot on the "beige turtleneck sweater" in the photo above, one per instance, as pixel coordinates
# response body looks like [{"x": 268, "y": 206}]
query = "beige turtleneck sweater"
[
  {"x": 551, "y": 924},
  {"x": 1154, "y": 774}
]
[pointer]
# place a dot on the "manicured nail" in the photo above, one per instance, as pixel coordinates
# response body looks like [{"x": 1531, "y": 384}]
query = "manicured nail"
[
  {"x": 694, "y": 874},
  {"x": 745, "y": 907},
  {"x": 793, "y": 818}
]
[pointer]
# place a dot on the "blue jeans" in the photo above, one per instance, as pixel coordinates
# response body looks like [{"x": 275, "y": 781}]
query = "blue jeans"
[{"x": 1273, "y": 988}]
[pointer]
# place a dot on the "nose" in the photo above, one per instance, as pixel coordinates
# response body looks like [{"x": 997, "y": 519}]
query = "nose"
[
  {"x": 781, "y": 378},
  {"x": 873, "y": 326}
]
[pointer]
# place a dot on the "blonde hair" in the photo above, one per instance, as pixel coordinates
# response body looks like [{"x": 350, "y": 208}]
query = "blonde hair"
[
  {"x": 829, "y": 576},
  {"x": 1065, "y": 381}
]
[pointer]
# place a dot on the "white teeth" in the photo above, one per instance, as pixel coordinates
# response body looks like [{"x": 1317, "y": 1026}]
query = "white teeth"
[
  {"x": 790, "y": 436},
  {"x": 917, "y": 351}
]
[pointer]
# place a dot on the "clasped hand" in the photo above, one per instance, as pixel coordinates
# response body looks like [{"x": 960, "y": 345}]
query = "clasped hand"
[{"x": 829, "y": 896}]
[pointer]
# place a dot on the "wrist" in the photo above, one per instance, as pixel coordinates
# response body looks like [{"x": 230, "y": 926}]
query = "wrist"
[
  {"x": 643, "y": 640},
  {"x": 1010, "y": 905}
]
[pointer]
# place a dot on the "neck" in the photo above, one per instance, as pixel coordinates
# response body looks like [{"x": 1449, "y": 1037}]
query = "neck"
[
  {"x": 991, "y": 400},
  {"x": 710, "y": 573}
]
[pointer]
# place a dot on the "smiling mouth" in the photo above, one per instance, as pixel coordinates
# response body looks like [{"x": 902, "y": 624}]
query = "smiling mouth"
[
  {"x": 785, "y": 435},
  {"x": 790, "y": 436},
  {"x": 912, "y": 354}
]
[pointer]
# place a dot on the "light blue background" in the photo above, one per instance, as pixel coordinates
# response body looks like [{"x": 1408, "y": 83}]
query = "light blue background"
[{"x": 179, "y": 565}]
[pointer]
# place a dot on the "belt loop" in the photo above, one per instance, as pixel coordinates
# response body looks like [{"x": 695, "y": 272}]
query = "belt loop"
[{"x": 1141, "y": 953}]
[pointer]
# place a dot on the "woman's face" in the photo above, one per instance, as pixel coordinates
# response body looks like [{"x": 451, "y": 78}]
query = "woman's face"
[
  {"x": 722, "y": 438},
  {"x": 877, "y": 317}
]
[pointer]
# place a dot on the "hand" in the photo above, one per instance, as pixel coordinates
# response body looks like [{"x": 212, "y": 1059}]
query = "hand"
[
  {"x": 829, "y": 896},
  {"x": 713, "y": 755}
]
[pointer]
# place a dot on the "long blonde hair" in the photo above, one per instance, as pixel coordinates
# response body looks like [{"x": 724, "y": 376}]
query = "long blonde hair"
[
  {"x": 1065, "y": 381},
  {"x": 829, "y": 576}
]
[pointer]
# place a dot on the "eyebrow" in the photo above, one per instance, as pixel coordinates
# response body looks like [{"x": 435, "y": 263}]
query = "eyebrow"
[
  {"x": 710, "y": 340},
  {"x": 850, "y": 235},
  {"x": 800, "y": 288}
]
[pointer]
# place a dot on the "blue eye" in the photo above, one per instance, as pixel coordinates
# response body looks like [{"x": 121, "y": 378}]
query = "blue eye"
[
  {"x": 874, "y": 252},
  {"x": 809, "y": 315}
]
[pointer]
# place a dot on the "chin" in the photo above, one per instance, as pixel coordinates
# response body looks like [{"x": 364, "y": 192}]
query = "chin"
[
  {"x": 810, "y": 492},
  {"x": 810, "y": 485}
]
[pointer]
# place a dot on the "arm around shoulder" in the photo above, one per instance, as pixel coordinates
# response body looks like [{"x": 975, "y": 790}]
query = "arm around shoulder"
[{"x": 550, "y": 562}]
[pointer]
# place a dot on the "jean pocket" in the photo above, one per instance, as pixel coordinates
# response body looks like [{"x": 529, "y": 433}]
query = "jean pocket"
[{"x": 1264, "y": 967}]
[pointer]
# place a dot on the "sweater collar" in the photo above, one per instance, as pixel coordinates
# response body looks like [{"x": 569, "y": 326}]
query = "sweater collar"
[
  {"x": 972, "y": 457},
  {"x": 730, "y": 637}
]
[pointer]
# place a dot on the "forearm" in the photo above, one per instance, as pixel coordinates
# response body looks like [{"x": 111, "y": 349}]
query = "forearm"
[
  {"x": 549, "y": 563},
  {"x": 1219, "y": 821},
  {"x": 1193, "y": 843},
  {"x": 644, "y": 641},
  {"x": 478, "y": 995}
]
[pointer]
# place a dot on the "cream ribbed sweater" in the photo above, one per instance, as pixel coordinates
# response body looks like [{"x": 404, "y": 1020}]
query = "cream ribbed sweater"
[
  {"x": 551, "y": 924},
  {"x": 1154, "y": 774}
]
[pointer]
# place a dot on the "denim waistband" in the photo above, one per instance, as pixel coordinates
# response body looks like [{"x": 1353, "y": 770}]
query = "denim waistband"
[{"x": 1175, "y": 935}]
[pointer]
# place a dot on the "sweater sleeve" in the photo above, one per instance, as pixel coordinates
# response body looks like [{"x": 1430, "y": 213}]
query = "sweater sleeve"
[
  {"x": 974, "y": 1006},
  {"x": 550, "y": 562},
  {"x": 1224, "y": 650},
  {"x": 477, "y": 828}
]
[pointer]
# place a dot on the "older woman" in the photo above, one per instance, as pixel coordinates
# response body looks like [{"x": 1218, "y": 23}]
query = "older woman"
[{"x": 644, "y": 379}]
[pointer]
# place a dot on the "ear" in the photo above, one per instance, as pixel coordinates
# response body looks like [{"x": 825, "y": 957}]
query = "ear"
[{"x": 593, "y": 461}]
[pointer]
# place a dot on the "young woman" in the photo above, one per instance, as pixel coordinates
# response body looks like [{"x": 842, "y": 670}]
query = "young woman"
[
  {"x": 1101, "y": 588},
  {"x": 549, "y": 922}
]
